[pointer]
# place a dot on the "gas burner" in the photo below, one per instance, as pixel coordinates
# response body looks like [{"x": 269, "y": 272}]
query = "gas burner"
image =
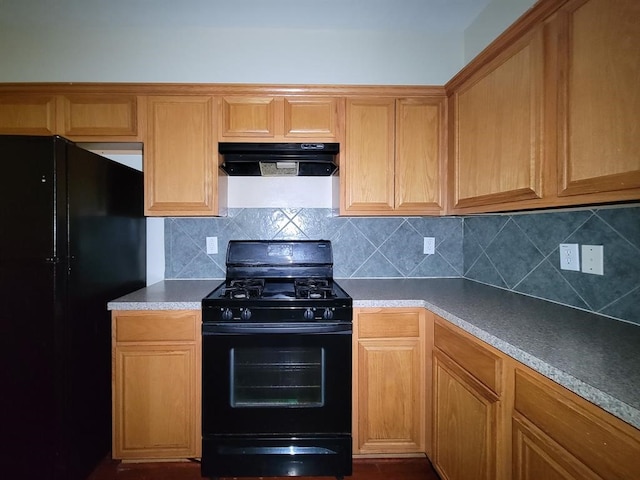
[
  {"x": 313, "y": 288},
  {"x": 243, "y": 289}
]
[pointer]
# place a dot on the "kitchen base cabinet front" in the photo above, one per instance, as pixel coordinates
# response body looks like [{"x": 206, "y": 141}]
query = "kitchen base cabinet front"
[
  {"x": 389, "y": 381},
  {"x": 156, "y": 385},
  {"x": 468, "y": 408},
  {"x": 557, "y": 435}
]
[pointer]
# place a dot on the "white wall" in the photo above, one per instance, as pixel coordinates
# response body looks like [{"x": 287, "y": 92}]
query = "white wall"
[
  {"x": 207, "y": 55},
  {"x": 490, "y": 23}
]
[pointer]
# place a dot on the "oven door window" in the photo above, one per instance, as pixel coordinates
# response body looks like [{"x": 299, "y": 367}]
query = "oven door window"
[{"x": 274, "y": 377}]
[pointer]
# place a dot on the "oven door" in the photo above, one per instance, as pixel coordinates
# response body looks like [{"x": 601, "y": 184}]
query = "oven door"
[{"x": 276, "y": 379}]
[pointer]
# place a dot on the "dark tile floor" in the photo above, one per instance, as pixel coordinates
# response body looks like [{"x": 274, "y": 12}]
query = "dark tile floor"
[{"x": 363, "y": 469}]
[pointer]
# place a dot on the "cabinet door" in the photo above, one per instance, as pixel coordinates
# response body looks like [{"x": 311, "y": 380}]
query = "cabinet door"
[
  {"x": 420, "y": 155},
  {"x": 311, "y": 118},
  {"x": 496, "y": 131},
  {"x": 599, "y": 133},
  {"x": 180, "y": 166},
  {"x": 368, "y": 166},
  {"x": 155, "y": 405},
  {"x": 390, "y": 382},
  {"x": 27, "y": 114},
  {"x": 247, "y": 117},
  {"x": 536, "y": 456},
  {"x": 465, "y": 423},
  {"x": 570, "y": 432},
  {"x": 156, "y": 384},
  {"x": 101, "y": 116}
]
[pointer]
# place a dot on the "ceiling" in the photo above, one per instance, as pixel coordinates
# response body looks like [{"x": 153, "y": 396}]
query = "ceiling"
[{"x": 435, "y": 15}]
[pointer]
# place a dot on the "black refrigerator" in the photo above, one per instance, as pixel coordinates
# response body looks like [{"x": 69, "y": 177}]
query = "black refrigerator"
[{"x": 72, "y": 238}]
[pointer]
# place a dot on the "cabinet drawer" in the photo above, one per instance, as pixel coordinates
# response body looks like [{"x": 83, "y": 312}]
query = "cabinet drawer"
[
  {"x": 477, "y": 360},
  {"x": 158, "y": 326},
  {"x": 379, "y": 324},
  {"x": 600, "y": 441}
]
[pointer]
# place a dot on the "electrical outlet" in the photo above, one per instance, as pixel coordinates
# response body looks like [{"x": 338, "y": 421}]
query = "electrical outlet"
[
  {"x": 429, "y": 246},
  {"x": 569, "y": 259},
  {"x": 593, "y": 259},
  {"x": 212, "y": 245}
]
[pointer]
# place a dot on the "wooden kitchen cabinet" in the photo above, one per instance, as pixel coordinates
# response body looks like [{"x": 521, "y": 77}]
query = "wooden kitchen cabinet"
[
  {"x": 279, "y": 118},
  {"x": 156, "y": 384},
  {"x": 598, "y": 101},
  {"x": 470, "y": 407},
  {"x": 78, "y": 117},
  {"x": 180, "y": 162},
  {"x": 496, "y": 131},
  {"x": 389, "y": 381},
  {"x": 557, "y": 435},
  {"x": 394, "y": 156}
]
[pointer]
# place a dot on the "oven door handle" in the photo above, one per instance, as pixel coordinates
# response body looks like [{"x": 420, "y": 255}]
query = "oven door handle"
[{"x": 270, "y": 328}]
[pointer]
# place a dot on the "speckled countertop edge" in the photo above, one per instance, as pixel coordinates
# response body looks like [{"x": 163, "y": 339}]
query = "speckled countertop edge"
[{"x": 455, "y": 300}]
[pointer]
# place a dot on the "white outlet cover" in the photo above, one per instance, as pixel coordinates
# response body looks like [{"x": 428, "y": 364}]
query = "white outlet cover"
[
  {"x": 593, "y": 259},
  {"x": 429, "y": 245},
  {"x": 569, "y": 259},
  {"x": 212, "y": 245}
]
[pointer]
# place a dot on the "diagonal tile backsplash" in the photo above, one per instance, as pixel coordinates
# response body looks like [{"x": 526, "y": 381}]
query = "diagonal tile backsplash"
[{"x": 517, "y": 252}]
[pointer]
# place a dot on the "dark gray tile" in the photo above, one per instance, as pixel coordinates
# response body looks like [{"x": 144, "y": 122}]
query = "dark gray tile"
[
  {"x": 200, "y": 266},
  {"x": 547, "y": 283},
  {"x": 261, "y": 223},
  {"x": 513, "y": 255},
  {"x": 451, "y": 250},
  {"x": 625, "y": 221},
  {"x": 182, "y": 251},
  {"x": 484, "y": 271},
  {"x": 547, "y": 230},
  {"x": 318, "y": 223},
  {"x": 377, "y": 230},
  {"x": 485, "y": 227},
  {"x": 350, "y": 250},
  {"x": 377, "y": 266},
  {"x": 440, "y": 228},
  {"x": 435, "y": 266},
  {"x": 471, "y": 249},
  {"x": 404, "y": 249},
  {"x": 621, "y": 265},
  {"x": 625, "y": 308}
]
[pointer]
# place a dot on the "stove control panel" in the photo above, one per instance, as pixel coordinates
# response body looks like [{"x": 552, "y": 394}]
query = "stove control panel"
[{"x": 276, "y": 314}]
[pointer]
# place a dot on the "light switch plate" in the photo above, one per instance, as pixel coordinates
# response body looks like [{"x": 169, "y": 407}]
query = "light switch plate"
[
  {"x": 593, "y": 259},
  {"x": 569, "y": 259},
  {"x": 212, "y": 245}
]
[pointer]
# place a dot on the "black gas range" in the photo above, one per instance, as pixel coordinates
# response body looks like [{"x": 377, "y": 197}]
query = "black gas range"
[
  {"x": 278, "y": 281},
  {"x": 276, "y": 364}
]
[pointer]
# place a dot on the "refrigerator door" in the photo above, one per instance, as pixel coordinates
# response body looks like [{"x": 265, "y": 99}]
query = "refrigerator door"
[
  {"x": 31, "y": 281},
  {"x": 106, "y": 259}
]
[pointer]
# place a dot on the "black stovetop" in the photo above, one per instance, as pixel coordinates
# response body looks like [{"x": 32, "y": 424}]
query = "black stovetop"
[{"x": 271, "y": 280}]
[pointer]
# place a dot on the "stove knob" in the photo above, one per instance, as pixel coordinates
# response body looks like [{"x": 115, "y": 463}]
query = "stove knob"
[
  {"x": 328, "y": 314},
  {"x": 227, "y": 314},
  {"x": 308, "y": 314},
  {"x": 245, "y": 314}
]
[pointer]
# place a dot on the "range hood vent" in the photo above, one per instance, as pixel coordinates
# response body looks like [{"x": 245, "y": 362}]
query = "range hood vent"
[{"x": 279, "y": 159}]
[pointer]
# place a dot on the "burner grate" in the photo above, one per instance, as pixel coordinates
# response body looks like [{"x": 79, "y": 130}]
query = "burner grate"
[
  {"x": 313, "y": 288},
  {"x": 244, "y": 289}
]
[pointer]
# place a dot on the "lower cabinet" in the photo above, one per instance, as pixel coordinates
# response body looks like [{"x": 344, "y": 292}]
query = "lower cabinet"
[
  {"x": 468, "y": 407},
  {"x": 389, "y": 380},
  {"x": 156, "y": 384},
  {"x": 558, "y": 435}
]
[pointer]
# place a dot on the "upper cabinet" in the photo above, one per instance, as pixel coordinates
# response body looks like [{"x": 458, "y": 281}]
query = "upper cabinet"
[
  {"x": 547, "y": 116},
  {"x": 496, "y": 130},
  {"x": 79, "y": 117},
  {"x": 598, "y": 100},
  {"x": 393, "y": 158},
  {"x": 180, "y": 163},
  {"x": 279, "y": 118}
]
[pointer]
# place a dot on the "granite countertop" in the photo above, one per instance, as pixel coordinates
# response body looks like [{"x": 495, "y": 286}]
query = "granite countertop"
[{"x": 596, "y": 357}]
